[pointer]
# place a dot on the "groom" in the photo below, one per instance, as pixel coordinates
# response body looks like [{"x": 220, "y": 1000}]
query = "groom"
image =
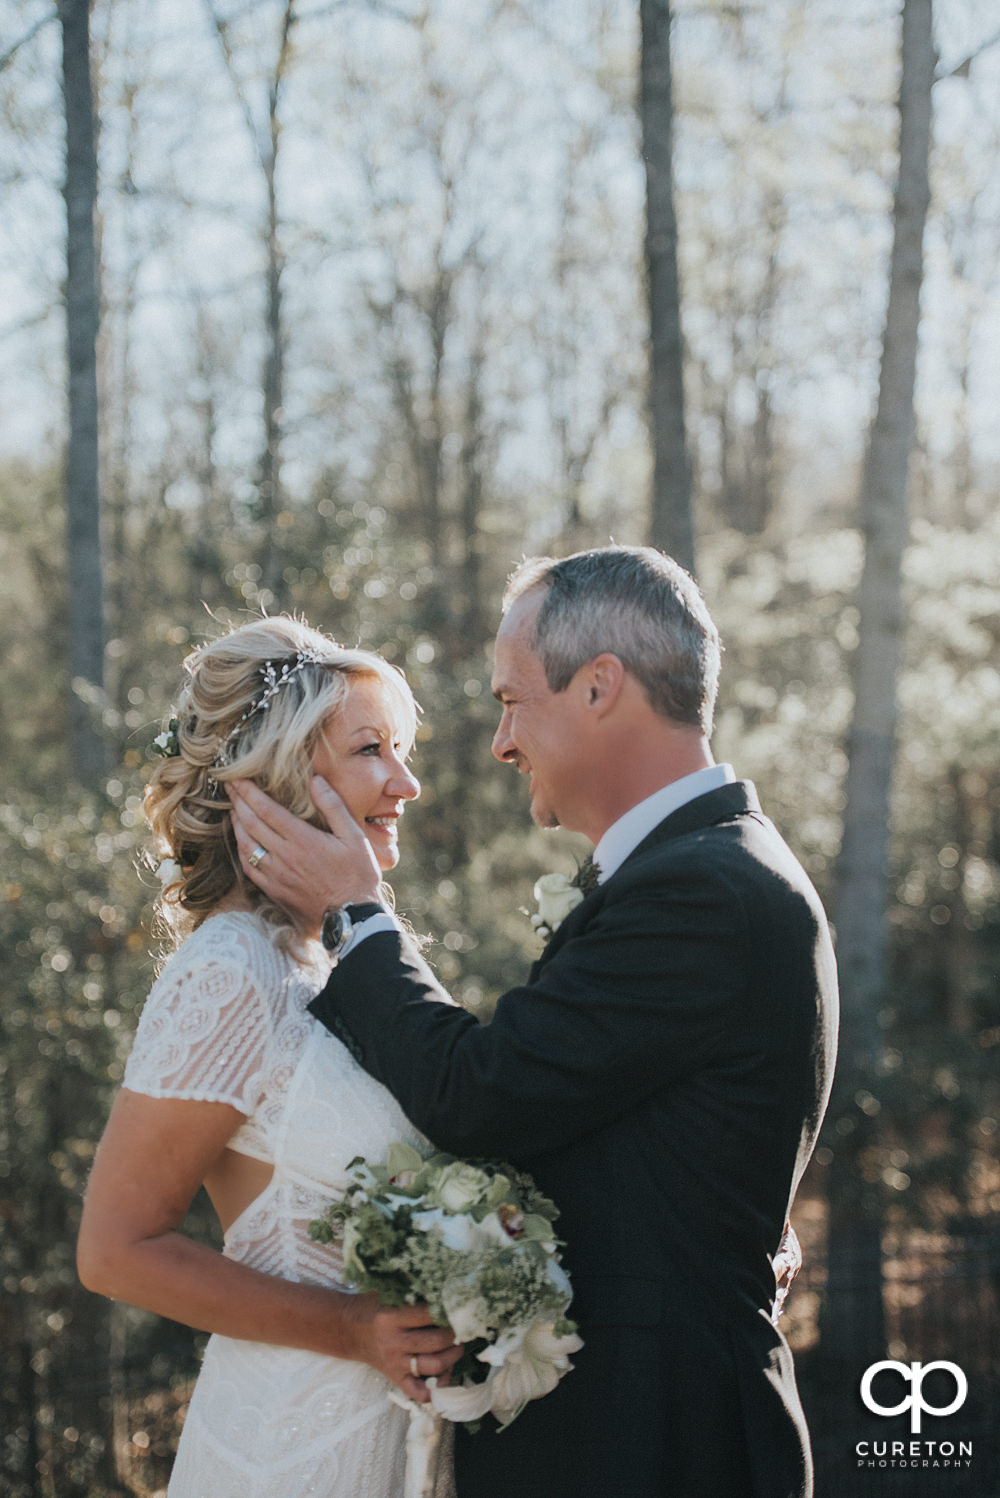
[{"x": 663, "y": 1070}]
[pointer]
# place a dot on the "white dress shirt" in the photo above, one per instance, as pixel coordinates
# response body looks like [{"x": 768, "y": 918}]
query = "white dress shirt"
[{"x": 625, "y": 835}]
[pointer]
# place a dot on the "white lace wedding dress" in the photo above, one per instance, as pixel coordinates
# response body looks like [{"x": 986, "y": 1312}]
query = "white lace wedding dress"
[{"x": 226, "y": 1022}]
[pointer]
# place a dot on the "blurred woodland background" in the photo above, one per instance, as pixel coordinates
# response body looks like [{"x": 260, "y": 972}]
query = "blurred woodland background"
[{"x": 342, "y": 306}]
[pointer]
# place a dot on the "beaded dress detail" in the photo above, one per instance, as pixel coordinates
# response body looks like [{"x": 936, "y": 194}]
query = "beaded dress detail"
[{"x": 226, "y": 1021}]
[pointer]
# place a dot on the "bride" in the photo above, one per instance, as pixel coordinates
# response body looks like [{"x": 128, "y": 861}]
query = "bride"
[{"x": 232, "y": 1083}]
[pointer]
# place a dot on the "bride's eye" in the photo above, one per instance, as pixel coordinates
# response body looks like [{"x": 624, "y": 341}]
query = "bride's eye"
[{"x": 374, "y": 748}]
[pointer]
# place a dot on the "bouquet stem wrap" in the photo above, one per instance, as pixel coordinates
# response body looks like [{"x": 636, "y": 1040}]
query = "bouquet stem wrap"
[{"x": 423, "y": 1447}]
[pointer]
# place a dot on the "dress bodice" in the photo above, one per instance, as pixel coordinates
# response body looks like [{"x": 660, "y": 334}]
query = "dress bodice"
[{"x": 226, "y": 1021}]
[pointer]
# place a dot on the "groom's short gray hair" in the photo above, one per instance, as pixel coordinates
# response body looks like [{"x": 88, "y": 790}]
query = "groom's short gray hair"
[{"x": 633, "y": 602}]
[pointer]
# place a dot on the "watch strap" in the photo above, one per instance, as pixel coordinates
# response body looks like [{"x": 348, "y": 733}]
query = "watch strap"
[{"x": 364, "y": 910}]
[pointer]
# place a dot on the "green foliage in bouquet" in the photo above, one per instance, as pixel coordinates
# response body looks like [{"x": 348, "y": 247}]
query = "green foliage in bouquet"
[{"x": 473, "y": 1240}]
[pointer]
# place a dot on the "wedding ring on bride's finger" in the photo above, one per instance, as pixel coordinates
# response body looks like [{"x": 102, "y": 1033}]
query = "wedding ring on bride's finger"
[
  {"x": 415, "y": 1366},
  {"x": 256, "y": 856}
]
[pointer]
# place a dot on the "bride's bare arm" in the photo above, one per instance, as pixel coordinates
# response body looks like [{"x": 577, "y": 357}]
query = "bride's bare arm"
[{"x": 154, "y": 1155}]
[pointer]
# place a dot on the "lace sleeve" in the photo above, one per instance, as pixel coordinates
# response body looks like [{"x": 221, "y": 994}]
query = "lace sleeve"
[{"x": 204, "y": 1028}]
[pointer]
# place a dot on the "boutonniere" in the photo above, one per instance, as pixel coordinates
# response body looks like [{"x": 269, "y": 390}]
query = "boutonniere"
[{"x": 557, "y": 895}]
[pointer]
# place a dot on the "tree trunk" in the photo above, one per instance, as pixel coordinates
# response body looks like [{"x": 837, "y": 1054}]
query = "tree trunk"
[
  {"x": 88, "y": 755},
  {"x": 269, "y": 489},
  {"x": 472, "y": 590},
  {"x": 671, "y": 526},
  {"x": 959, "y": 953},
  {"x": 271, "y": 501},
  {"x": 862, "y": 875},
  {"x": 862, "y": 888},
  {"x": 267, "y": 144}
]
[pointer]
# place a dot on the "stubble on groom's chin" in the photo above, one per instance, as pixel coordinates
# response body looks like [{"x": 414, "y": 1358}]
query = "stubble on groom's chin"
[{"x": 544, "y": 817}]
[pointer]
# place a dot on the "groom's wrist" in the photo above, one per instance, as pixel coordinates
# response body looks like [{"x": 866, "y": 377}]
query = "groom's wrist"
[{"x": 343, "y": 926}]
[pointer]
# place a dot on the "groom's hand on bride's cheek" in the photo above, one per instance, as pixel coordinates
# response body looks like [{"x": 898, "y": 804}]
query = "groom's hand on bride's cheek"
[
  {"x": 300, "y": 867},
  {"x": 352, "y": 861},
  {"x": 267, "y": 860}
]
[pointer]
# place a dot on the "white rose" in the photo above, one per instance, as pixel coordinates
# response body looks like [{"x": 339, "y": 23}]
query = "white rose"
[
  {"x": 459, "y": 1187},
  {"x": 557, "y": 896}
]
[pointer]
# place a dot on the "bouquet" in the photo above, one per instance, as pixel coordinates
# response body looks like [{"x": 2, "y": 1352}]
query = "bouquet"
[{"x": 475, "y": 1242}]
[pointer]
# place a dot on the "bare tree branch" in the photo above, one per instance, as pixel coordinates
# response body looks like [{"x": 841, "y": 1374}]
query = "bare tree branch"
[
  {"x": 221, "y": 31},
  {"x": 8, "y": 56}
]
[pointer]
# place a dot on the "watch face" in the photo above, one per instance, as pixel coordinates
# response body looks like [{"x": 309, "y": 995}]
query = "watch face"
[{"x": 336, "y": 929}]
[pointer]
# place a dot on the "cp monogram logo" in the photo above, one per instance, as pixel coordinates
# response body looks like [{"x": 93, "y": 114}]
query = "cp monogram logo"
[{"x": 914, "y": 1373}]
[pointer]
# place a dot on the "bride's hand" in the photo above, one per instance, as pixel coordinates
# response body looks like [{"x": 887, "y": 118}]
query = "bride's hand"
[
  {"x": 398, "y": 1339},
  {"x": 302, "y": 868}
]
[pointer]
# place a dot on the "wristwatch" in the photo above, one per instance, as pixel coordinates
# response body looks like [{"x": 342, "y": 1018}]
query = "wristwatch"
[{"x": 339, "y": 922}]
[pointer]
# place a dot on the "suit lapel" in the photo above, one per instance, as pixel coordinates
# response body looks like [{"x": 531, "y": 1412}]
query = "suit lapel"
[{"x": 738, "y": 798}]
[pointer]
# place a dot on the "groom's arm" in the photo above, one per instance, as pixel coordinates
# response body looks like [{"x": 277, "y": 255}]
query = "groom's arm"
[
  {"x": 645, "y": 995},
  {"x": 620, "y": 1011}
]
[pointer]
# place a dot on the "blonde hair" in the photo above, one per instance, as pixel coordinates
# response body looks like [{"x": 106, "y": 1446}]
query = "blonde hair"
[{"x": 231, "y": 726}]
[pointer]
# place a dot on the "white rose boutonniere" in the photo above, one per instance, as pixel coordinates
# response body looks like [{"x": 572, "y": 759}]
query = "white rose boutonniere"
[{"x": 557, "y": 895}]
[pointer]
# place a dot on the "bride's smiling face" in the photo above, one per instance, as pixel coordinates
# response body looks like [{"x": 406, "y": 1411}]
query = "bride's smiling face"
[{"x": 360, "y": 754}]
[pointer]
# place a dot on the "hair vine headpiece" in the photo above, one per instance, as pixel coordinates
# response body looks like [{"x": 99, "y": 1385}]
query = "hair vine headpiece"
[
  {"x": 276, "y": 674},
  {"x": 166, "y": 744}
]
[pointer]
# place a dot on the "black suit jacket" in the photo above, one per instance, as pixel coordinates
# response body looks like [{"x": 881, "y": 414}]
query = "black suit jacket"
[{"x": 662, "y": 1074}]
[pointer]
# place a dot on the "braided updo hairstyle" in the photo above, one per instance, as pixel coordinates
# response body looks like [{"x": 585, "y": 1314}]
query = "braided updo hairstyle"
[{"x": 225, "y": 732}]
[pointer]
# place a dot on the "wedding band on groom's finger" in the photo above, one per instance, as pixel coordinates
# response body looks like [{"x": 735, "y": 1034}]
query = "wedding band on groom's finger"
[
  {"x": 415, "y": 1366},
  {"x": 257, "y": 856}
]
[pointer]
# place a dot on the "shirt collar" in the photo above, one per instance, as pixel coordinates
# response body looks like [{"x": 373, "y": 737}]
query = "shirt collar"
[{"x": 625, "y": 835}]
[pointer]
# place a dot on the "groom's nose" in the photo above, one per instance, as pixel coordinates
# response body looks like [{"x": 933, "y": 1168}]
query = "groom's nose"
[{"x": 503, "y": 747}]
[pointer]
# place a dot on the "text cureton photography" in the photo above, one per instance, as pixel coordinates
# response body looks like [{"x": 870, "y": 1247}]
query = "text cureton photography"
[
  {"x": 940, "y": 1454},
  {"x": 936, "y": 1390}
]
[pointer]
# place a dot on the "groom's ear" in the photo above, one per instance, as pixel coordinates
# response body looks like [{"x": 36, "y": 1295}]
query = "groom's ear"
[{"x": 604, "y": 679}]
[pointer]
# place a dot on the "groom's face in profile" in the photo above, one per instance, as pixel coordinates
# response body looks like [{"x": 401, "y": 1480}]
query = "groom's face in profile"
[{"x": 538, "y": 730}]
